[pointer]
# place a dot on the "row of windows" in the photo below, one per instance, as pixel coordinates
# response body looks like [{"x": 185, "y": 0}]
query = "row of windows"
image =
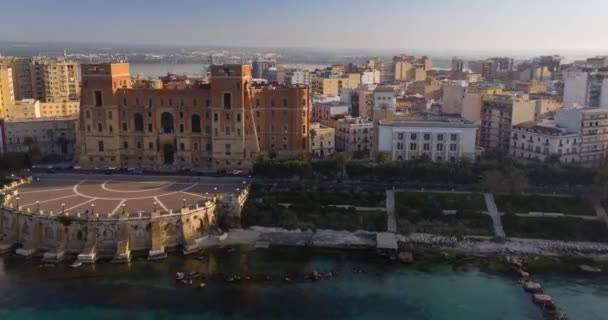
[
  {"x": 427, "y": 136},
  {"x": 427, "y": 147}
]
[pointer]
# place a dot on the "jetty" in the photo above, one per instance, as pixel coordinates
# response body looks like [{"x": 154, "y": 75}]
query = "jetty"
[{"x": 540, "y": 298}]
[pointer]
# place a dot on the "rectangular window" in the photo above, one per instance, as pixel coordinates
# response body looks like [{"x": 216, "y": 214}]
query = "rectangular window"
[
  {"x": 124, "y": 126},
  {"x": 238, "y": 117},
  {"x": 440, "y": 137},
  {"x": 149, "y": 127},
  {"x": 110, "y": 115},
  {"x": 439, "y": 147},
  {"x": 151, "y": 145},
  {"x": 413, "y": 146},
  {"x": 400, "y": 135},
  {"x": 100, "y": 146},
  {"x": 453, "y": 147},
  {"x": 227, "y": 130},
  {"x": 227, "y": 100},
  {"x": 215, "y": 117},
  {"x": 227, "y": 147},
  {"x": 426, "y": 146},
  {"x": 414, "y": 136},
  {"x": 98, "y": 100},
  {"x": 453, "y": 137}
]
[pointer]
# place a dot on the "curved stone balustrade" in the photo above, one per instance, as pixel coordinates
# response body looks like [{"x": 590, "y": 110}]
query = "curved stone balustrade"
[{"x": 94, "y": 236}]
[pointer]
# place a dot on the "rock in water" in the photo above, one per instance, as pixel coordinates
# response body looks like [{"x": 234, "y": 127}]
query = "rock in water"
[{"x": 406, "y": 257}]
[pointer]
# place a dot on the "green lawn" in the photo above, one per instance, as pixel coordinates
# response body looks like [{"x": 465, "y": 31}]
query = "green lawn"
[
  {"x": 422, "y": 212},
  {"x": 536, "y": 203},
  {"x": 565, "y": 229},
  {"x": 445, "y": 201}
]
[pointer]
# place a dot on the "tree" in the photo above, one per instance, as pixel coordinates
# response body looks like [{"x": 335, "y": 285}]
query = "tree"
[
  {"x": 493, "y": 180},
  {"x": 381, "y": 157},
  {"x": 342, "y": 158},
  {"x": 552, "y": 160},
  {"x": 518, "y": 180}
]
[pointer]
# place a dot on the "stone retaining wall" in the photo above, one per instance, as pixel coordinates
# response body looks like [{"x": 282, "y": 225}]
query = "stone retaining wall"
[{"x": 95, "y": 236}]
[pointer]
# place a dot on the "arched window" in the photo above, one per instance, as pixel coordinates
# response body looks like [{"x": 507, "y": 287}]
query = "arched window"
[
  {"x": 167, "y": 123},
  {"x": 138, "y": 120},
  {"x": 196, "y": 123}
]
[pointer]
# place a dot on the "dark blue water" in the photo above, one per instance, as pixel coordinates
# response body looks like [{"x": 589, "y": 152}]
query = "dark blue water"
[{"x": 148, "y": 290}]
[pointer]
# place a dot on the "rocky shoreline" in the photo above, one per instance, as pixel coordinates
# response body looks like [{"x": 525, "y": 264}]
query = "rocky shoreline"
[{"x": 473, "y": 245}]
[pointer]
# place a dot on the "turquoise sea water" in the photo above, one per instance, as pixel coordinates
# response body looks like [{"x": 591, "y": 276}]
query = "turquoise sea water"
[{"x": 366, "y": 287}]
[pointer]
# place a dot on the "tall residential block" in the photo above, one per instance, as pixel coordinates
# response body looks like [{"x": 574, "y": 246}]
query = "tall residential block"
[
  {"x": 7, "y": 98},
  {"x": 45, "y": 79},
  {"x": 499, "y": 113}
]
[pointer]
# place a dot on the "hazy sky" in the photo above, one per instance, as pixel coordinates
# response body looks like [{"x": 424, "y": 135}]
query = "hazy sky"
[{"x": 434, "y": 25}]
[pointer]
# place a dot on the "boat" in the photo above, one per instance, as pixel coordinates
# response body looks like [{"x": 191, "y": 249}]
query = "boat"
[
  {"x": 202, "y": 285},
  {"x": 179, "y": 275},
  {"x": 76, "y": 264}
]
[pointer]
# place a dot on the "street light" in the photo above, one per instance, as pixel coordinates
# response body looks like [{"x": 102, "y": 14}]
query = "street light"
[
  {"x": 93, "y": 208},
  {"x": 154, "y": 206},
  {"x": 18, "y": 198},
  {"x": 215, "y": 192},
  {"x": 184, "y": 202},
  {"x": 63, "y": 208},
  {"x": 123, "y": 208},
  {"x": 38, "y": 206}
]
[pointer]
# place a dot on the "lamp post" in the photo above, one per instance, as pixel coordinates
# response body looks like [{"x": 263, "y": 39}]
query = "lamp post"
[
  {"x": 123, "y": 208},
  {"x": 18, "y": 198},
  {"x": 214, "y": 192},
  {"x": 92, "y": 208},
  {"x": 184, "y": 203},
  {"x": 154, "y": 206},
  {"x": 206, "y": 195},
  {"x": 38, "y": 206},
  {"x": 63, "y": 208}
]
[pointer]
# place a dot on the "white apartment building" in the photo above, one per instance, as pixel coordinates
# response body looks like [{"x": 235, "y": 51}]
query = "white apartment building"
[
  {"x": 578, "y": 135},
  {"x": 538, "y": 140},
  {"x": 439, "y": 139},
  {"x": 586, "y": 89}
]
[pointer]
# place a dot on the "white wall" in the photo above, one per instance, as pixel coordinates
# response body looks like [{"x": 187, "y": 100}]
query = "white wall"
[
  {"x": 604, "y": 94},
  {"x": 569, "y": 118},
  {"x": 575, "y": 88},
  {"x": 453, "y": 96}
]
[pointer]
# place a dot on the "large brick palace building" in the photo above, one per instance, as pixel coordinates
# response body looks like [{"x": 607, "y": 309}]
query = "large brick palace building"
[{"x": 183, "y": 123}]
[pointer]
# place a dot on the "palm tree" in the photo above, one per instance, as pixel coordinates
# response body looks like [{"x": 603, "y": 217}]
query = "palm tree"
[{"x": 342, "y": 158}]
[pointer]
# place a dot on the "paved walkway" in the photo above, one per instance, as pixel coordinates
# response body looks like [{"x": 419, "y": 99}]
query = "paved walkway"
[
  {"x": 601, "y": 212},
  {"x": 493, "y": 211},
  {"x": 390, "y": 211}
]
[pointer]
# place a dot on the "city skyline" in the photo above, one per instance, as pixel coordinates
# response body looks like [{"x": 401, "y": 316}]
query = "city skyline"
[{"x": 440, "y": 26}]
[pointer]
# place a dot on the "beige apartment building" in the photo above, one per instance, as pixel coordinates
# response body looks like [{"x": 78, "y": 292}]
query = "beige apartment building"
[
  {"x": 44, "y": 79},
  {"x": 499, "y": 113},
  {"x": 322, "y": 140},
  {"x": 31, "y": 108},
  {"x": 7, "y": 98}
]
